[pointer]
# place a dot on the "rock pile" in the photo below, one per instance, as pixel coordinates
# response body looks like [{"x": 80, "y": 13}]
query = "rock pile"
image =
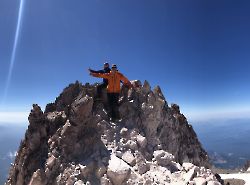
[{"x": 73, "y": 142}]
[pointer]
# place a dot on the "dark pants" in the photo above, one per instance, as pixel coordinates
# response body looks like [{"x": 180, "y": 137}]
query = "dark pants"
[
  {"x": 100, "y": 88},
  {"x": 113, "y": 104}
]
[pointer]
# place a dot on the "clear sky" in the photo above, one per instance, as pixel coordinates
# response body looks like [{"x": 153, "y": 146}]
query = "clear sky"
[{"x": 197, "y": 51}]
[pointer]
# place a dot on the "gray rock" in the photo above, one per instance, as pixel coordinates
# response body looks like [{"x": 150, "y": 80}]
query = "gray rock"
[
  {"x": 124, "y": 132},
  {"x": 131, "y": 145},
  {"x": 146, "y": 87},
  {"x": 101, "y": 170},
  {"x": 163, "y": 158},
  {"x": 141, "y": 163},
  {"x": 157, "y": 175},
  {"x": 81, "y": 109}
]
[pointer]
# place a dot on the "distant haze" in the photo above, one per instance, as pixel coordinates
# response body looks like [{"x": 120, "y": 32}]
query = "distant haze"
[
  {"x": 228, "y": 139},
  {"x": 13, "y": 117}
]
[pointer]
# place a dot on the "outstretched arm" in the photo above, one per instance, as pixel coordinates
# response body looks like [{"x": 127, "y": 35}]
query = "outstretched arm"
[
  {"x": 100, "y": 75},
  {"x": 93, "y": 71}
]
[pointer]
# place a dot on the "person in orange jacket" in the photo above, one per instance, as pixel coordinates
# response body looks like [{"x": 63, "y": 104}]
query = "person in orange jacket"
[{"x": 113, "y": 89}]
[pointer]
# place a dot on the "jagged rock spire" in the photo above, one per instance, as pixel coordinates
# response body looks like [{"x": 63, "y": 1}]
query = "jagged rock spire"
[{"x": 73, "y": 142}]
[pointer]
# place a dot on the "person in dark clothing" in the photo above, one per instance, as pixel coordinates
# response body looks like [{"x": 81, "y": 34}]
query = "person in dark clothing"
[
  {"x": 104, "y": 84},
  {"x": 113, "y": 99}
]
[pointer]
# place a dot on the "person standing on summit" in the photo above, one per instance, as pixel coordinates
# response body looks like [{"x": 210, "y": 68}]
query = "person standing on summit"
[
  {"x": 113, "y": 90},
  {"x": 104, "y": 84}
]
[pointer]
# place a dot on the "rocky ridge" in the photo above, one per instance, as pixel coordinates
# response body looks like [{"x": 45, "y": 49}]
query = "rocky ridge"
[{"x": 73, "y": 142}]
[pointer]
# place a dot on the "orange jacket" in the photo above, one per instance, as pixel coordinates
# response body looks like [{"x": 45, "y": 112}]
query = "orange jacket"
[{"x": 113, "y": 80}]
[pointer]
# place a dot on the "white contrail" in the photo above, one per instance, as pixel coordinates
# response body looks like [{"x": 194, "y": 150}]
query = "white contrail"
[{"x": 13, "y": 55}]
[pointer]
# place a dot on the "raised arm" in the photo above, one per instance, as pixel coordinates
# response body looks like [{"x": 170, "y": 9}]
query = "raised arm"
[
  {"x": 100, "y": 75},
  {"x": 93, "y": 71}
]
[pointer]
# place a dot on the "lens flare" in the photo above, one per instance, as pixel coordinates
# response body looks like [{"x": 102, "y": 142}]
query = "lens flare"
[{"x": 13, "y": 55}]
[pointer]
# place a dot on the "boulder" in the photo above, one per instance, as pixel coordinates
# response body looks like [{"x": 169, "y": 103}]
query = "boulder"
[
  {"x": 200, "y": 181},
  {"x": 163, "y": 158},
  {"x": 157, "y": 175},
  {"x": 118, "y": 171},
  {"x": 141, "y": 163},
  {"x": 141, "y": 141},
  {"x": 129, "y": 158}
]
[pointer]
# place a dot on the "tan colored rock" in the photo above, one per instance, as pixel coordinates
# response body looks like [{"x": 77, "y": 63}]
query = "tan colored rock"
[
  {"x": 38, "y": 178},
  {"x": 51, "y": 161},
  {"x": 118, "y": 171},
  {"x": 129, "y": 158},
  {"x": 141, "y": 141}
]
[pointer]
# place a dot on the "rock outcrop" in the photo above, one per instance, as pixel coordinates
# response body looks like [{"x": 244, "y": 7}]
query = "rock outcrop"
[
  {"x": 74, "y": 142},
  {"x": 246, "y": 166}
]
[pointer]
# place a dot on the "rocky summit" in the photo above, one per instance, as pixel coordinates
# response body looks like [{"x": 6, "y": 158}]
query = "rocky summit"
[{"x": 73, "y": 142}]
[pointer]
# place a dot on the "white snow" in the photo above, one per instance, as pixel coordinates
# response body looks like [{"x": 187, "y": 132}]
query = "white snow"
[{"x": 243, "y": 176}]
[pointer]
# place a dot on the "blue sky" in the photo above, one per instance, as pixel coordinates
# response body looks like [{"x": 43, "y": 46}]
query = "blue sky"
[{"x": 197, "y": 51}]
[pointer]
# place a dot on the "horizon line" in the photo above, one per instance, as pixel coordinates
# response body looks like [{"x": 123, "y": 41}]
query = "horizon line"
[{"x": 20, "y": 117}]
